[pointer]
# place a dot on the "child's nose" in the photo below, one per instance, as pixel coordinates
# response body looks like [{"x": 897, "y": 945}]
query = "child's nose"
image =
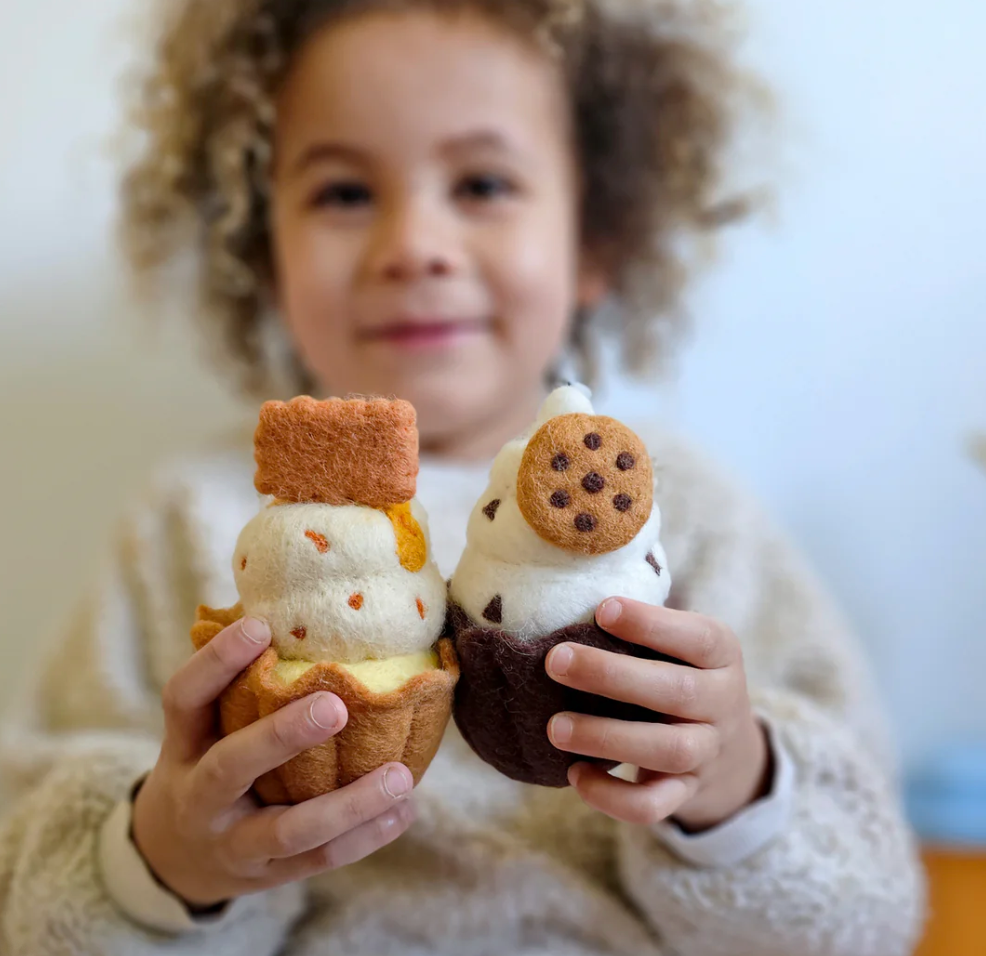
[{"x": 415, "y": 242}]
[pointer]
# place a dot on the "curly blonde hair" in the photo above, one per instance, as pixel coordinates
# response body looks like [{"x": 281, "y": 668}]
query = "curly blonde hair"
[{"x": 655, "y": 95}]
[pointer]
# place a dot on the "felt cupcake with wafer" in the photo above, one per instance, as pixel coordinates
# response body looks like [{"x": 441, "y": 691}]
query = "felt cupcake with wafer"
[
  {"x": 338, "y": 562},
  {"x": 568, "y": 519}
]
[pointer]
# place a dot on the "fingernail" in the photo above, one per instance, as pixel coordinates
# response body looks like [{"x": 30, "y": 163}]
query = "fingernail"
[
  {"x": 560, "y": 660},
  {"x": 396, "y": 782},
  {"x": 561, "y": 728},
  {"x": 324, "y": 712},
  {"x": 255, "y": 630},
  {"x": 609, "y": 612}
]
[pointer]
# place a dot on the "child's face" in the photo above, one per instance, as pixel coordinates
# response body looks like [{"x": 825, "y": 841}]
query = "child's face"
[{"x": 425, "y": 218}]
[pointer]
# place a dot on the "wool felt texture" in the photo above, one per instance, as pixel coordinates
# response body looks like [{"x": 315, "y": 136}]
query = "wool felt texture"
[
  {"x": 406, "y": 724},
  {"x": 378, "y": 676},
  {"x": 341, "y": 582},
  {"x": 490, "y": 865},
  {"x": 337, "y": 451},
  {"x": 585, "y": 483},
  {"x": 412, "y": 547},
  {"x": 509, "y": 575},
  {"x": 504, "y": 698}
]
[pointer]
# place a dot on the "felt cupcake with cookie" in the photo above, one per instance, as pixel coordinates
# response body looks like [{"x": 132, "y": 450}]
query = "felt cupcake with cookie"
[
  {"x": 338, "y": 562},
  {"x": 568, "y": 519}
]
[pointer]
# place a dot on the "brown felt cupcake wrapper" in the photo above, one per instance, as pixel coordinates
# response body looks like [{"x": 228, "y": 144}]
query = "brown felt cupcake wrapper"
[
  {"x": 405, "y": 725},
  {"x": 505, "y": 698}
]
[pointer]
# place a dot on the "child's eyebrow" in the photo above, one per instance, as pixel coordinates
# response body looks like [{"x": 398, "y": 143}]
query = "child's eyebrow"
[
  {"x": 327, "y": 150},
  {"x": 488, "y": 139},
  {"x": 322, "y": 152}
]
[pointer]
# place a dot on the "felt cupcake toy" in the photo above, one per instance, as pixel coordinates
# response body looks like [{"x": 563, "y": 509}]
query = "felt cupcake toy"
[
  {"x": 338, "y": 562},
  {"x": 567, "y": 520}
]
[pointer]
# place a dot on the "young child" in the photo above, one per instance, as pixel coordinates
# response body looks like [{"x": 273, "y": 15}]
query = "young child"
[{"x": 437, "y": 200}]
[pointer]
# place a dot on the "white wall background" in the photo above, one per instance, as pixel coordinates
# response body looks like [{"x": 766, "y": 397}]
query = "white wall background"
[{"x": 839, "y": 368}]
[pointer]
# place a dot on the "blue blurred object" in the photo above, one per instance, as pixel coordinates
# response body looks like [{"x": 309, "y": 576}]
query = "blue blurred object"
[{"x": 946, "y": 801}]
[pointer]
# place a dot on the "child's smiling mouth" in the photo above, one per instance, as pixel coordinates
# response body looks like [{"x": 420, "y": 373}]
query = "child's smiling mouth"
[{"x": 424, "y": 332}]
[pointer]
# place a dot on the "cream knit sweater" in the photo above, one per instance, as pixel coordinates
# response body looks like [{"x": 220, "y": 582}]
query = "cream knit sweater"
[{"x": 824, "y": 865}]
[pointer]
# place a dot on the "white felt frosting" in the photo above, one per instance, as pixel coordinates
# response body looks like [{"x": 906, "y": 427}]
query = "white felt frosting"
[
  {"x": 543, "y": 587},
  {"x": 355, "y": 600}
]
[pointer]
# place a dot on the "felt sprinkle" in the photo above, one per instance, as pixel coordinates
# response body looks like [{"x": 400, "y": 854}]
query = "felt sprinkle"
[
  {"x": 319, "y": 540},
  {"x": 490, "y": 509},
  {"x": 652, "y": 561},
  {"x": 243, "y": 564},
  {"x": 300, "y": 633},
  {"x": 355, "y": 601},
  {"x": 493, "y": 612},
  {"x": 585, "y": 522},
  {"x": 421, "y": 608},
  {"x": 622, "y": 502},
  {"x": 593, "y": 483}
]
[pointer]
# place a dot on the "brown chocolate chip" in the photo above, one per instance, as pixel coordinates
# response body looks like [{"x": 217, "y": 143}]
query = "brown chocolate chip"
[
  {"x": 652, "y": 561},
  {"x": 622, "y": 502},
  {"x": 490, "y": 509},
  {"x": 560, "y": 499},
  {"x": 493, "y": 612},
  {"x": 560, "y": 462},
  {"x": 625, "y": 461},
  {"x": 593, "y": 482},
  {"x": 585, "y": 522},
  {"x": 592, "y": 441}
]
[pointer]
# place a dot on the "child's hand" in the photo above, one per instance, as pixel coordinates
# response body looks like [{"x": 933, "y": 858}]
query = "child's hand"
[
  {"x": 194, "y": 821},
  {"x": 701, "y": 769}
]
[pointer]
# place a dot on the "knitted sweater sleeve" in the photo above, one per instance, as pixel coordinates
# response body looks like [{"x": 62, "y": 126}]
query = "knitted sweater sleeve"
[
  {"x": 840, "y": 876},
  {"x": 83, "y": 729}
]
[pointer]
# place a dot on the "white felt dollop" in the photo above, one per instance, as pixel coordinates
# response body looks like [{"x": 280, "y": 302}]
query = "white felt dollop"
[
  {"x": 543, "y": 587},
  {"x": 335, "y": 572}
]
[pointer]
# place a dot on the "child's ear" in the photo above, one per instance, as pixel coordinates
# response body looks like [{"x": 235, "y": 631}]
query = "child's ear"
[{"x": 593, "y": 282}]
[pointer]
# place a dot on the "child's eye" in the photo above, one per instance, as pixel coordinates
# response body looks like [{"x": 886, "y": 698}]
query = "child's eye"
[
  {"x": 348, "y": 195},
  {"x": 485, "y": 187}
]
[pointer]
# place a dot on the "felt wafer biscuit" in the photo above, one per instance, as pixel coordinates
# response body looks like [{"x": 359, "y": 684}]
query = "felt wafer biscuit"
[
  {"x": 337, "y": 451},
  {"x": 585, "y": 483}
]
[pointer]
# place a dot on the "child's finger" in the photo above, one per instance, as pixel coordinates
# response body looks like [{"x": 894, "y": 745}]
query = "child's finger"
[
  {"x": 668, "y": 748},
  {"x": 640, "y": 803},
  {"x": 672, "y": 689},
  {"x": 692, "y": 638},
  {"x": 231, "y": 765},
  {"x": 188, "y": 697},
  {"x": 348, "y": 848},
  {"x": 276, "y": 833}
]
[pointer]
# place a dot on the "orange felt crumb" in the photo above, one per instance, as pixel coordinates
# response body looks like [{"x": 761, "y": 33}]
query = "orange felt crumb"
[
  {"x": 243, "y": 565},
  {"x": 319, "y": 539},
  {"x": 421, "y": 608},
  {"x": 356, "y": 601},
  {"x": 299, "y": 632}
]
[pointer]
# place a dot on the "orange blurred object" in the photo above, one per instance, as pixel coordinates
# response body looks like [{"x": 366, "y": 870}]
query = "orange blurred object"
[{"x": 957, "y": 902}]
